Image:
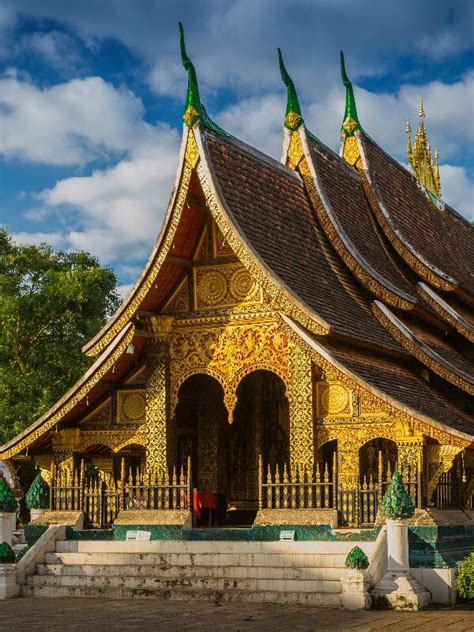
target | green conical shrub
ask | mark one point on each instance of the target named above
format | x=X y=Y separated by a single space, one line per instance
x=7 y=502
x=397 y=504
x=37 y=497
x=356 y=558
x=7 y=554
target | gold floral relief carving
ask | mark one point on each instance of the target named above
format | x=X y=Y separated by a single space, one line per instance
x=179 y=301
x=111 y=438
x=191 y=154
x=300 y=397
x=156 y=415
x=227 y=353
x=220 y=245
x=333 y=400
x=225 y=285
x=131 y=406
x=440 y=461
x=44 y=462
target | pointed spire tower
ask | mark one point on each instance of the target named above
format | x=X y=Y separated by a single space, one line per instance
x=424 y=167
x=350 y=124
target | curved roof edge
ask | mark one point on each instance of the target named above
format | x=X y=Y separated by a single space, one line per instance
x=277 y=289
x=448 y=313
x=72 y=397
x=322 y=355
x=131 y=303
x=364 y=272
x=422 y=352
x=413 y=258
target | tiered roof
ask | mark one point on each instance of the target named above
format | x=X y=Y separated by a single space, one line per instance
x=367 y=269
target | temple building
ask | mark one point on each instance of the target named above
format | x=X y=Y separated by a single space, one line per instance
x=301 y=329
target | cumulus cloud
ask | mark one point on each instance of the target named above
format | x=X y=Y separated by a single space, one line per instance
x=115 y=213
x=457 y=189
x=57 y=49
x=69 y=123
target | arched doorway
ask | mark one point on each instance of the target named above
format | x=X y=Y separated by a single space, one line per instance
x=378 y=461
x=202 y=433
x=260 y=427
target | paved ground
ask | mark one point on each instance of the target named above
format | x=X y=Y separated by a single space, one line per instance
x=106 y=615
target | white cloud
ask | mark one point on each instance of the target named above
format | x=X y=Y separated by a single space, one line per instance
x=58 y=49
x=116 y=213
x=70 y=123
x=457 y=189
x=55 y=239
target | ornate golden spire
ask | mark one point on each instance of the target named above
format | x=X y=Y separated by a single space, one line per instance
x=420 y=158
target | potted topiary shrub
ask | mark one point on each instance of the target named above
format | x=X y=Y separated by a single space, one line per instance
x=398 y=589
x=465 y=578
x=37 y=497
x=8 y=507
x=356 y=581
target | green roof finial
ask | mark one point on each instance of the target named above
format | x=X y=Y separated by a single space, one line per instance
x=293 y=118
x=193 y=108
x=350 y=123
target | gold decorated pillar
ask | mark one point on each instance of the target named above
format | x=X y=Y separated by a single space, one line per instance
x=157 y=400
x=65 y=444
x=300 y=398
x=440 y=461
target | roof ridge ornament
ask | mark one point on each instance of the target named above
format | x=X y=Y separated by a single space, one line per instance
x=350 y=123
x=193 y=107
x=424 y=166
x=293 y=117
x=194 y=110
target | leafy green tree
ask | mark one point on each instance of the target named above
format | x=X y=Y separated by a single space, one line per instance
x=51 y=303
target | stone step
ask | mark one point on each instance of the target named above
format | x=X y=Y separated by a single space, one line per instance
x=217 y=546
x=167 y=560
x=228 y=572
x=330 y=600
x=159 y=584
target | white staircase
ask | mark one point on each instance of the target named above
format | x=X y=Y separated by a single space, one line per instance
x=283 y=572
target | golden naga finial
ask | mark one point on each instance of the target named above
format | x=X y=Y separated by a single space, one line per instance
x=420 y=158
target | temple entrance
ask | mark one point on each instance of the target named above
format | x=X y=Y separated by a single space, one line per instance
x=202 y=433
x=260 y=427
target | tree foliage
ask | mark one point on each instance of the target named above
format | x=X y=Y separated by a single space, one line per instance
x=465 y=578
x=51 y=303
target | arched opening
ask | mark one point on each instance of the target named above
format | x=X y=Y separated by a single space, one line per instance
x=129 y=462
x=202 y=433
x=378 y=461
x=260 y=427
x=327 y=458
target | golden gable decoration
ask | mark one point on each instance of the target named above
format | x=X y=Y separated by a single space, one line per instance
x=131 y=406
x=224 y=286
x=333 y=400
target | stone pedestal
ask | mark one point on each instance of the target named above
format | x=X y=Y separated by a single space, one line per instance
x=7 y=526
x=398 y=589
x=8 y=586
x=35 y=515
x=355 y=590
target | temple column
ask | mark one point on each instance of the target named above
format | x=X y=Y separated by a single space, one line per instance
x=65 y=444
x=410 y=465
x=157 y=399
x=440 y=461
x=300 y=398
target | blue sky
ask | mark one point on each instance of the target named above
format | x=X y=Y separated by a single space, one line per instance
x=92 y=92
